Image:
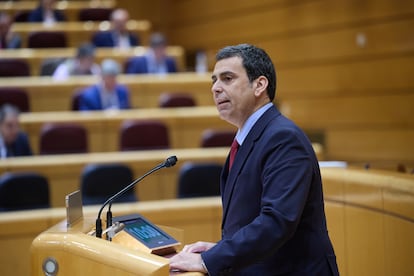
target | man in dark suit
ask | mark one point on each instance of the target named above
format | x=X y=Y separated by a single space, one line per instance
x=107 y=94
x=13 y=142
x=46 y=13
x=155 y=61
x=8 y=39
x=273 y=208
x=119 y=36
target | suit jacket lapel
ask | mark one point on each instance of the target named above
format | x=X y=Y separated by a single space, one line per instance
x=228 y=179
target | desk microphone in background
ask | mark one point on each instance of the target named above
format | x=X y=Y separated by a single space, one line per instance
x=169 y=162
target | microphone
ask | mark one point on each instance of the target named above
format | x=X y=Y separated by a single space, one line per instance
x=169 y=162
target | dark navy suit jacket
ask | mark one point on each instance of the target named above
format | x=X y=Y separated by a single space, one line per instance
x=20 y=147
x=91 y=98
x=139 y=65
x=106 y=39
x=273 y=209
x=37 y=15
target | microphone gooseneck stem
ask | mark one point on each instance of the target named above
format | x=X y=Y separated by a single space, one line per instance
x=112 y=198
x=109 y=220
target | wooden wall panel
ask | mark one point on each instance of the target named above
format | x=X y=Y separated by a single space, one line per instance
x=267 y=19
x=377 y=76
x=385 y=111
x=344 y=67
x=370 y=145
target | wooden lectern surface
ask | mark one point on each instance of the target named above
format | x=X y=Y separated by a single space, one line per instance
x=79 y=253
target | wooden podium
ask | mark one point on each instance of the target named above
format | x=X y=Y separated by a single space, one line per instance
x=73 y=251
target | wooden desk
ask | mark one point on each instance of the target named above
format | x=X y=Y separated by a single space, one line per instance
x=64 y=171
x=198 y=218
x=35 y=57
x=69 y=8
x=145 y=90
x=369 y=216
x=185 y=125
x=76 y=252
x=79 y=32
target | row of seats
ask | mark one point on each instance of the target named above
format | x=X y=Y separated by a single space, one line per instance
x=84 y=14
x=30 y=190
x=19 y=98
x=63 y=138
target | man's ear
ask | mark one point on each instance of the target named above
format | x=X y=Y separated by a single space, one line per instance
x=261 y=84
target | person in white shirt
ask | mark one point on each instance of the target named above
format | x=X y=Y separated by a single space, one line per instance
x=82 y=64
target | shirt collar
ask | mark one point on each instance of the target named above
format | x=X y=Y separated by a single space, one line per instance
x=244 y=131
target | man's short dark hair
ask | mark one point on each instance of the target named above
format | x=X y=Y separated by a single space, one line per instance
x=85 y=50
x=255 y=61
x=157 y=40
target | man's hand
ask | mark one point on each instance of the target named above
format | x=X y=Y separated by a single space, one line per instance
x=198 y=247
x=189 y=259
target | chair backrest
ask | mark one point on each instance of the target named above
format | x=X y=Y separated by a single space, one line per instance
x=21 y=16
x=217 y=138
x=14 y=68
x=75 y=100
x=143 y=135
x=15 y=96
x=49 y=65
x=47 y=39
x=199 y=179
x=94 y=14
x=23 y=190
x=101 y=181
x=176 y=99
x=61 y=138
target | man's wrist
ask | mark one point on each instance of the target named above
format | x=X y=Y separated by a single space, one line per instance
x=204 y=266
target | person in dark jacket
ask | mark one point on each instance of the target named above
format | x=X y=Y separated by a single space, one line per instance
x=273 y=219
x=108 y=93
x=13 y=141
x=155 y=61
x=118 y=36
x=46 y=13
x=8 y=39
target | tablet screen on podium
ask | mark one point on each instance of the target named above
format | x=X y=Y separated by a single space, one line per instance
x=146 y=232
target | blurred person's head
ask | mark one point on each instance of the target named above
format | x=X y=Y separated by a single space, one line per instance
x=48 y=4
x=9 y=123
x=85 y=58
x=119 y=19
x=5 y=23
x=110 y=69
x=158 y=44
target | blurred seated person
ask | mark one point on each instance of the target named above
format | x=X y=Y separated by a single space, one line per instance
x=107 y=94
x=82 y=64
x=8 y=39
x=13 y=141
x=46 y=13
x=119 y=36
x=155 y=61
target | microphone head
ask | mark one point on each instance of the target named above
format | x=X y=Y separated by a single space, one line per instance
x=170 y=161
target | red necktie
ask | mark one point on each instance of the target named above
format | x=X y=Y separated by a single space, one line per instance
x=233 y=151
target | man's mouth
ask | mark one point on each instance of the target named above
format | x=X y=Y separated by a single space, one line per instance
x=219 y=102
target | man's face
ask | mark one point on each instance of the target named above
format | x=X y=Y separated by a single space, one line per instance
x=85 y=63
x=119 y=21
x=4 y=25
x=109 y=82
x=232 y=91
x=10 y=128
x=160 y=53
